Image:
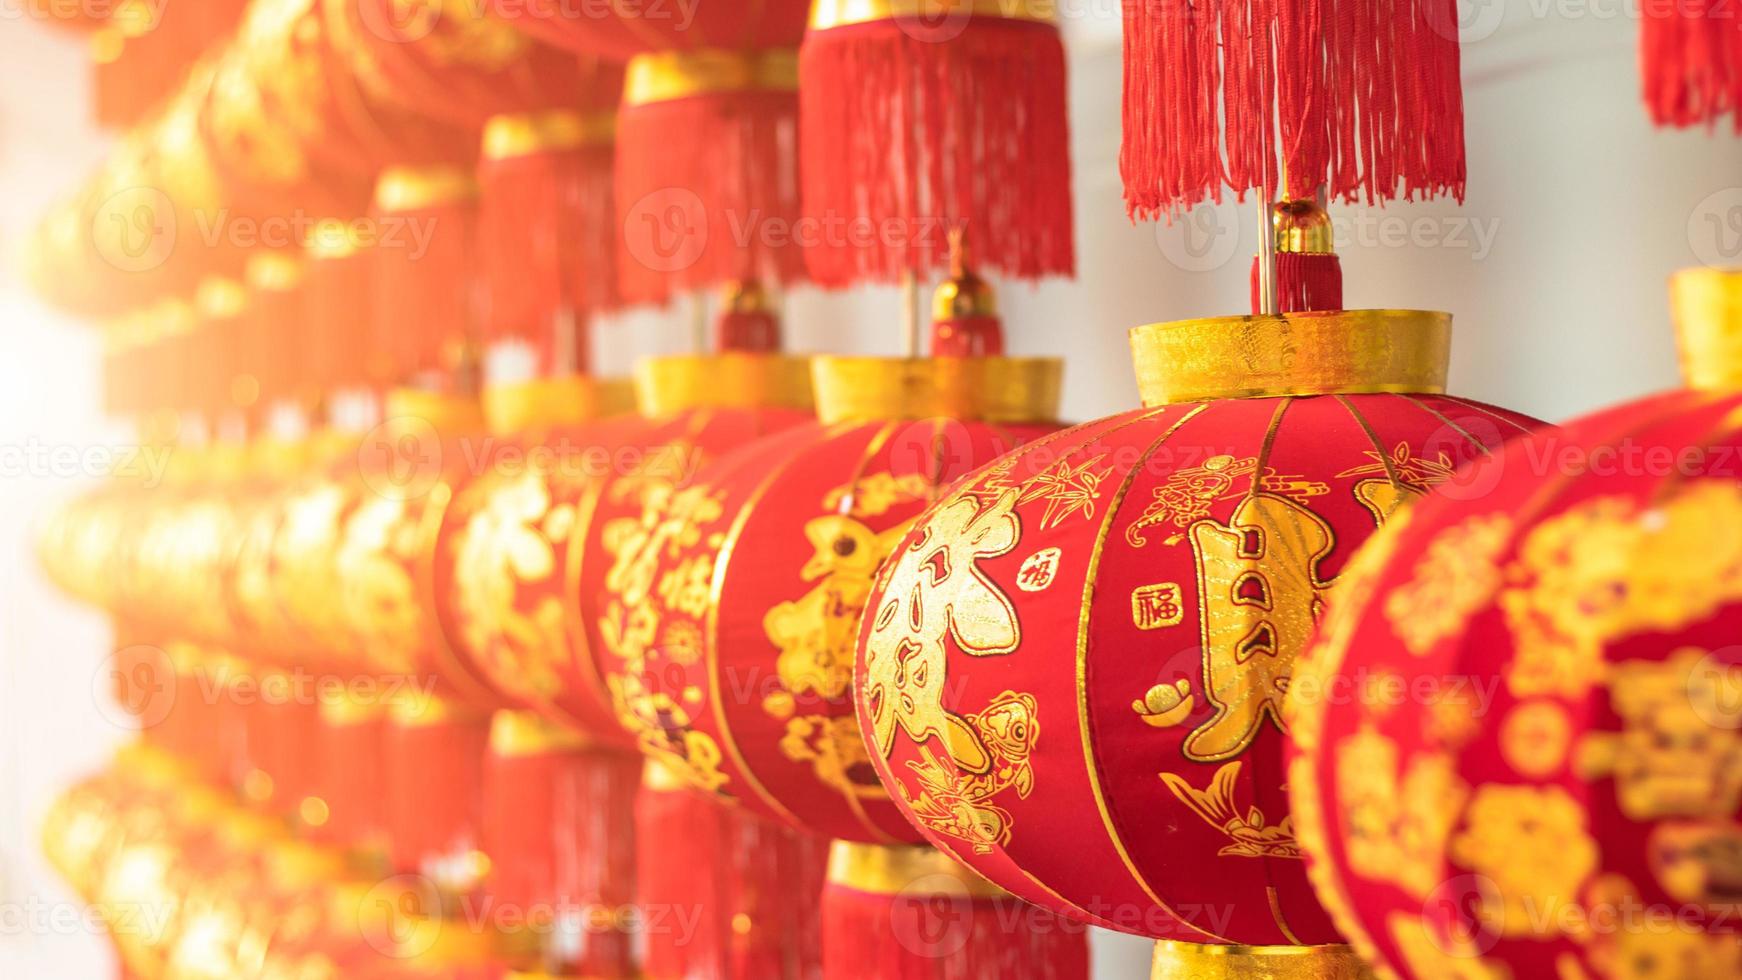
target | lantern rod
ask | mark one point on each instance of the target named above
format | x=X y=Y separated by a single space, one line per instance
x=1267 y=299
x=910 y=319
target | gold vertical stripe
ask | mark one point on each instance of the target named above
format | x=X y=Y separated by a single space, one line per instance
x=1372 y=437
x=1481 y=446
x=1088 y=739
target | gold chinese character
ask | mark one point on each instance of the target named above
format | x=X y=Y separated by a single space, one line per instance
x=1259 y=595
x=1155 y=606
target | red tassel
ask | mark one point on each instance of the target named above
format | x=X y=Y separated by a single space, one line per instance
x=724 y=894
x=341 y=348
x=907 y=137
x=904 y=913
x=707 y=192
x=434 y=786
x=274 y=347
x=351 y=748
x=559 y=829
x=1691 y=62
x=1367 y=102
x=425 y=267
x=547 y=237
x=1305 y=282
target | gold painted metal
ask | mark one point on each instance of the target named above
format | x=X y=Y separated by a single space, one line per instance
x=1707 y=307
x=664 y=76
x=542 y=403
x=1325 y=353
x=401 y=189
x=680 y=382
x=334 y=238
x=1302 y=226
x=220 y=297
x=658 y=777
x=1194 y=961
x=985 y=389
x=448 y=413
x=523 y=733
x=826 y=14
x=273 y=271
x=519 y=134
x=903 y=869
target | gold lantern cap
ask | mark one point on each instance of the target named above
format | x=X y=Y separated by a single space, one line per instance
x=829 y=14
x=1706 y=305
x=681 y=382
x=882 y=869
x=1218 y=962
x=448 y=412
x=981 y=389
x=542 y=403
x=1321 y=353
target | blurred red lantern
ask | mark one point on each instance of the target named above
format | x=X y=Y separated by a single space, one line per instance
x=1178 y=555
x=1557 y=790
x=707 y=145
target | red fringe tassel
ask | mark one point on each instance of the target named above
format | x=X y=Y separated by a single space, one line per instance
x=425 y=266
x=707 y=193
x=906 y=137
x=547 y=237
x=1690 y=54
x=1362 y=98
x=1305 y=282
x=917 y=936
x=560 y=832
x=351 y=749
x=725 y=894
x=342 y=350
x=434 y=785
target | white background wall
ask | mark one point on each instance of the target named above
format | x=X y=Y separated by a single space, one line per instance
x=1583 y=208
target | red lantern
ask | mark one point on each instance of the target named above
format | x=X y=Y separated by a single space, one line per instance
x=731 y=605
x=1071 y=670
x=1516 y=741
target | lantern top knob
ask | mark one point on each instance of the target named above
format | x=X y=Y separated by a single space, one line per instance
x=1707 y=307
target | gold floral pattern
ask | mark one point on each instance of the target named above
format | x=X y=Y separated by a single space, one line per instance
x=1455 y=577
x=934 y=591
x=1608 y=568
x=380 y=542
x=1532 y=843
x=958 y=804
x=507 y=544
x=1397 y=821
x=1668 y=760
x=1251 y=835
x=1187 y=496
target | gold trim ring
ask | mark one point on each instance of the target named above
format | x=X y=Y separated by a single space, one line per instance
x=914 y=871
x=983 y=389
x=1707 y=307
x=827 y=14
x=1326 y=353
x=665 y=76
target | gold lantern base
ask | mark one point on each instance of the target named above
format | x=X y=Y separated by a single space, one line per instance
x=1194 y=961
x=913 y=871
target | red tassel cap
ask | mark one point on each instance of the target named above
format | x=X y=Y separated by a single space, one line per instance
x=1690 y=57
x=1366 y=102
x=1309 y=277
x=707 y=158
x=913 y=126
